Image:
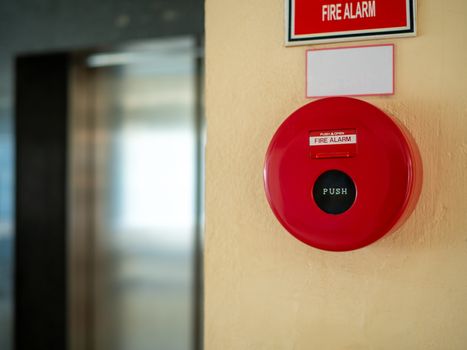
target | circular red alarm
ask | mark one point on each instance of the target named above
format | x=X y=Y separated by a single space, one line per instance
x=340 y=174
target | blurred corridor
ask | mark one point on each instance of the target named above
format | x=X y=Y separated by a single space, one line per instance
x=101 y=175
x=135 y=197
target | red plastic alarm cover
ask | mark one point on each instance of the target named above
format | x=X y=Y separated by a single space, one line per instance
x=341 y=136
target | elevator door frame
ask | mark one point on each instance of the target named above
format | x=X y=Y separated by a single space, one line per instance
x=82 y=205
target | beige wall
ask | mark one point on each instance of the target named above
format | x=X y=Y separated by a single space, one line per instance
x=266 y=290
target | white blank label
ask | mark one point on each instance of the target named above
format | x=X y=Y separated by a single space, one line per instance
x=367 y=70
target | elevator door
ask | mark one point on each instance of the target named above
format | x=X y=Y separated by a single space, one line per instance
x=136 y=136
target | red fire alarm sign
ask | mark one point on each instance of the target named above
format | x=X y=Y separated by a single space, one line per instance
x=318 y=21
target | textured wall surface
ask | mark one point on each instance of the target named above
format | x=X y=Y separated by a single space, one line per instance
x=266 y=290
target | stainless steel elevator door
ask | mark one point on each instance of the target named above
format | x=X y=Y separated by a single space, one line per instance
x=141 y=202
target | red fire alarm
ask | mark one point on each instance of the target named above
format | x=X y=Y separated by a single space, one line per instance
x=340 y=174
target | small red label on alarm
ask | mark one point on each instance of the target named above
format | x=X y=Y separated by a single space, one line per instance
x=341 y=137
x=333 y=143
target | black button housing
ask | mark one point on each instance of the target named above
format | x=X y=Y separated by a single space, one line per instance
x=334 y=192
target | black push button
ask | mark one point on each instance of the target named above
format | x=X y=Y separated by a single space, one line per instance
x=334 y=192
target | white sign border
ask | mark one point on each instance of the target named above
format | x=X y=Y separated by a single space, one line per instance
x=410 y=30
x=368 y=93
